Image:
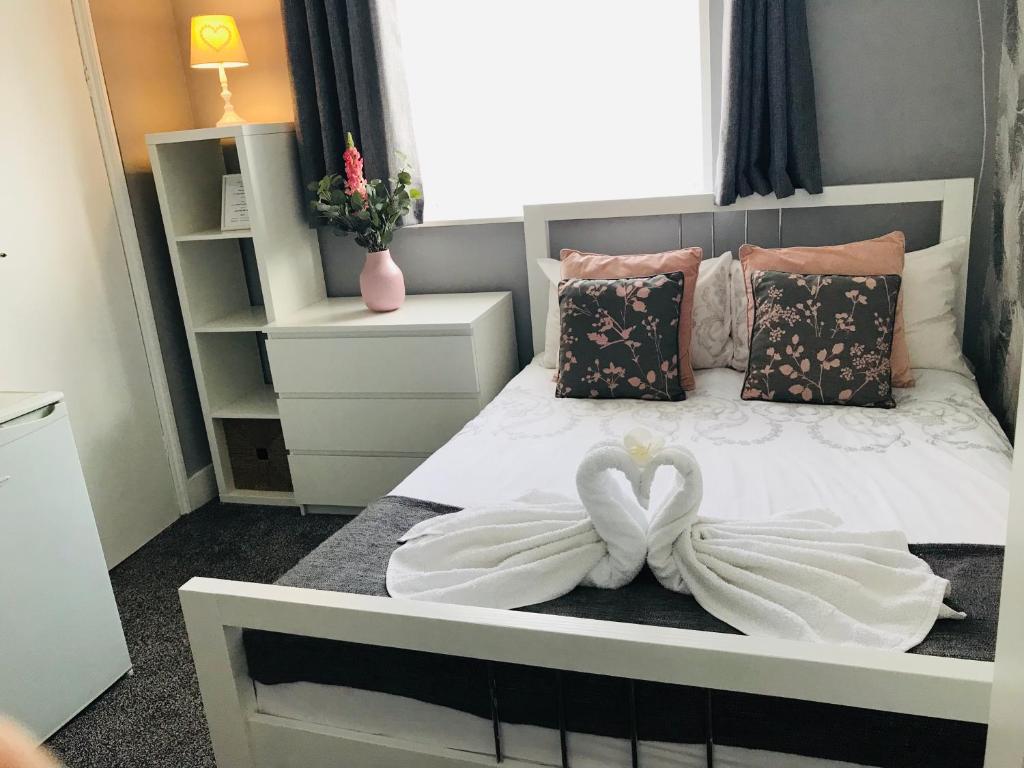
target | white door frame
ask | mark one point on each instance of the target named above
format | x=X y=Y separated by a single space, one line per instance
x=130 y=242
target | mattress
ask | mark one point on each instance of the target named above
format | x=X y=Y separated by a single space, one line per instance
x=937 y=467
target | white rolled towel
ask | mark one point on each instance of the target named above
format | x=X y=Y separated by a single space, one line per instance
x=797 y=576
x=534 y=549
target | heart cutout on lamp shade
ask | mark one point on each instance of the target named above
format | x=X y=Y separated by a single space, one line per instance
x=215 y=35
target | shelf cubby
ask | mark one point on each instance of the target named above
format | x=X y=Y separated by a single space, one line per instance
x=231 y=367
x=190 y=175
x=254 y=462
x=213 y=281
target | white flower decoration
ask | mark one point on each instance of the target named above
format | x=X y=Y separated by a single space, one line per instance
x=642 y=445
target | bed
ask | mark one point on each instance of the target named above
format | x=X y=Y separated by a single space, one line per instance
x=936 y=467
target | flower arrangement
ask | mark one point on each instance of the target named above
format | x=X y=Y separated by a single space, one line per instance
x=368 y=209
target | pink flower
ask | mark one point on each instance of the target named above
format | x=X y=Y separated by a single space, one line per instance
x=355 y=182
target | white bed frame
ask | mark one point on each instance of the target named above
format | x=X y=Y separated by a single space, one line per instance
x=216 y=611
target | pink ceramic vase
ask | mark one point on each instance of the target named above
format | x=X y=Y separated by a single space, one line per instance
x=381 y=282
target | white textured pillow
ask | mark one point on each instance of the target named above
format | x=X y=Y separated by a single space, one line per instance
x=740 y=343
x=711 y=341
x=552 y=332
x=930 y=281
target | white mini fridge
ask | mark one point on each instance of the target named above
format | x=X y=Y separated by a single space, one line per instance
x=61 y=642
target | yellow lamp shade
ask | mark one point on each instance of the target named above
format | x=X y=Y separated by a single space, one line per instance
x=216 y=43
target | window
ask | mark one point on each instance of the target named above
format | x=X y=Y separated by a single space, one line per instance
x=540 y=101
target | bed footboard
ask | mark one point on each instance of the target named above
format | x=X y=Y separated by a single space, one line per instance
x=217 y=611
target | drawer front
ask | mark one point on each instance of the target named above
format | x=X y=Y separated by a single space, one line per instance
x=390 y=425
x=347 y=481
x=392 y=365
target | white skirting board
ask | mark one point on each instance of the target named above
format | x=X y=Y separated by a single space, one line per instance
x=202 y=487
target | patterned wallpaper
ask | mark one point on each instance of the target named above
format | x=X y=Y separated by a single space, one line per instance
x=1002 y=320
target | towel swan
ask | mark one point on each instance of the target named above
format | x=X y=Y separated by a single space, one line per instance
x=796 y=576
x=534 y=549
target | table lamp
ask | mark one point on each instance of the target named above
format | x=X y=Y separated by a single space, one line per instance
x=217 y=44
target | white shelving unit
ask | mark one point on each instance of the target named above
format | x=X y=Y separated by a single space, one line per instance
x=225 y=328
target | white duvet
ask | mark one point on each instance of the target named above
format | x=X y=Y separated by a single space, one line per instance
x=937 y=466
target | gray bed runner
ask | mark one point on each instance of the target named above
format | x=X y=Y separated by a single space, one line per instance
x=355 y=560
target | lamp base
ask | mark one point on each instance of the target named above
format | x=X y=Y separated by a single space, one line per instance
x=230 y=117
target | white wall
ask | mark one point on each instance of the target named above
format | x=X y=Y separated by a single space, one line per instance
x=148 y=92
x=67 y=312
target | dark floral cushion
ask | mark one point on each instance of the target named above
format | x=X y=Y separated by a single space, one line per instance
x=620 y=338
x=822 y=339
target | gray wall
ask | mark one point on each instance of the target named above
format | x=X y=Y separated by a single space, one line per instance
x=181 y=380
x=898 y=84
x=483 y=257
x=899 y=98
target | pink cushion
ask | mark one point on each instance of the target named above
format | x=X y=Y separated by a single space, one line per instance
x=881 y=256
x=685 y=260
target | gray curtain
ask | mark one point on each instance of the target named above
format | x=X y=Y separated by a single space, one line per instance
x=346 y=66
x=769 y=139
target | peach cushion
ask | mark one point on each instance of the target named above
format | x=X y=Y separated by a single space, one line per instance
x=881 y=256
x=685 y=260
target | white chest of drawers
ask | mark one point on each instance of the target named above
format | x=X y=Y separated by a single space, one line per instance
x=364 y=397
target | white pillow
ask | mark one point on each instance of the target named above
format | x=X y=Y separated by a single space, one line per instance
x=711 y=340
x=552 y=270
x=930 y=282
x=740 y=345
x=711 y=343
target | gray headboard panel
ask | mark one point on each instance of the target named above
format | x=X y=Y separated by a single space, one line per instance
x=723 y=231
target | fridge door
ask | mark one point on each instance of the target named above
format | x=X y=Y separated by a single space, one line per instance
x=61 y=642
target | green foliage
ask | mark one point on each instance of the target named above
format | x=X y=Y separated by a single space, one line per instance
x=373 y=217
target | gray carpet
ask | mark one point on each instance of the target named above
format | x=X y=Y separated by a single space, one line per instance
x=154 y=719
